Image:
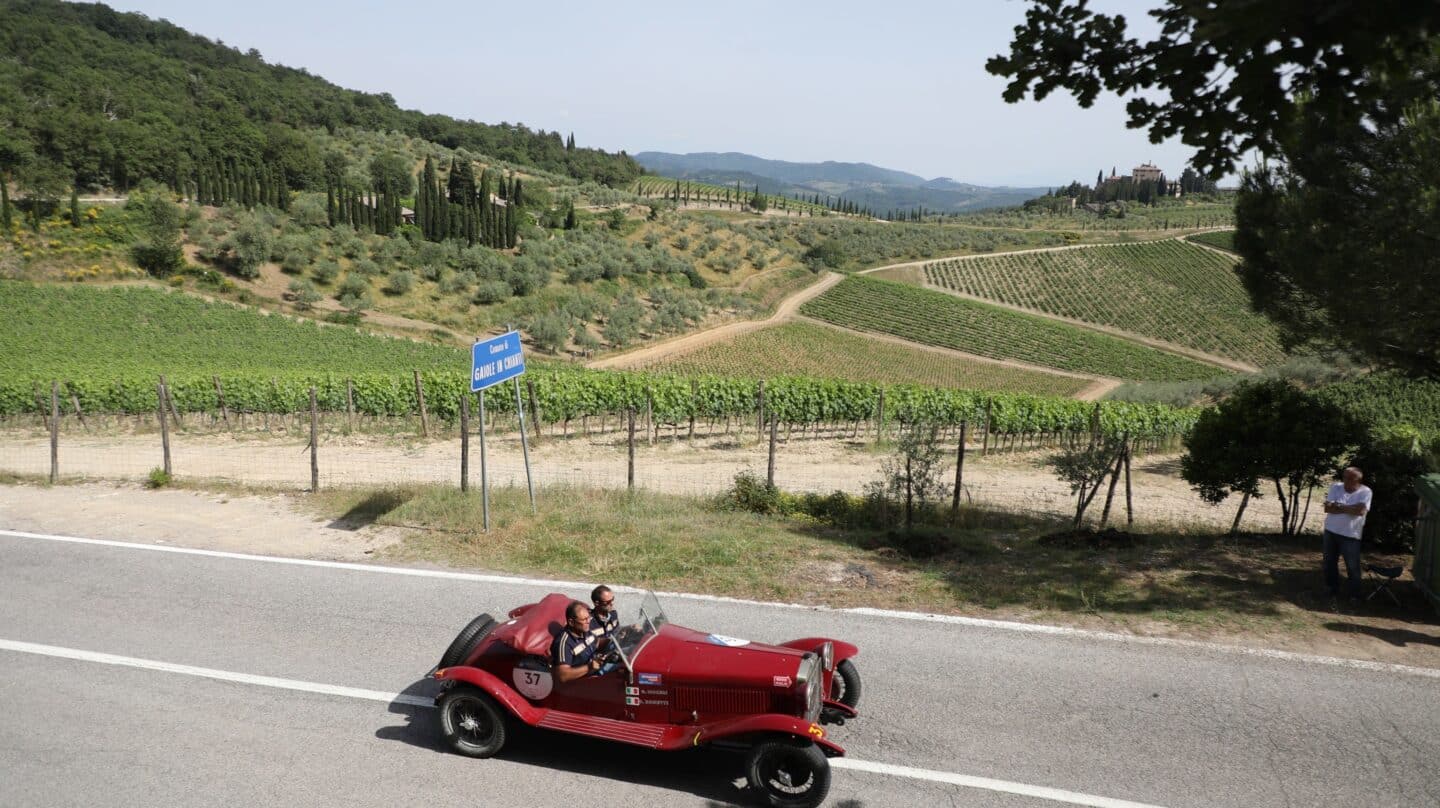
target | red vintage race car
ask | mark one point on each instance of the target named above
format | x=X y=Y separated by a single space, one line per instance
x=662 y=686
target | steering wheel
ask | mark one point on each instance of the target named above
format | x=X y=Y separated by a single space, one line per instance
x=608 y=662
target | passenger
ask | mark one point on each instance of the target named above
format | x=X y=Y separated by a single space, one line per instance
x=603 y=618
x=572 y=655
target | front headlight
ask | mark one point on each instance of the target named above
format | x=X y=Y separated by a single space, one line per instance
x=812 y=699
x=827 y=655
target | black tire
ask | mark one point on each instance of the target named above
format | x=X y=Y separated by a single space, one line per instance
x=788 y=773
x=466 y=640
x=473 y=724
x=845 y=685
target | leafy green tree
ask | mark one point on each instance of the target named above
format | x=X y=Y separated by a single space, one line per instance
x=550 y=330
x=75 y=207
x=1333 y=93
x=1268 y=432
x=400 y=283
x=43 y=182
x=1084 y=469
x=157 y=251
x=304 y=294
x=249 y=247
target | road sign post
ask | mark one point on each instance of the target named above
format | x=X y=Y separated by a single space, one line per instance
x=492 y=361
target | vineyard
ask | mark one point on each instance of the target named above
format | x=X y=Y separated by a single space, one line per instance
x=935 y=318
x=806 y=349
x=117 y=342
x=653 y=186
x=1166 y=290
x=1219 y=239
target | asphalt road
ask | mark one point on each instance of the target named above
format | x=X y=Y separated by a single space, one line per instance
x=1095 y=720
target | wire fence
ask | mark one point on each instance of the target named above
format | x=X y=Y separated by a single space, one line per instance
x=275 y=451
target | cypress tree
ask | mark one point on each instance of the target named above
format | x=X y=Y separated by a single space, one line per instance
x=74 y=206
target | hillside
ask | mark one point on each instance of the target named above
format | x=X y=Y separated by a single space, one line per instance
x=935 y=318
x=69 y=96
x=869 y=186
x=1167 y=290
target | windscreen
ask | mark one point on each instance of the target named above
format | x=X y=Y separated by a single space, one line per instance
x=638 y=623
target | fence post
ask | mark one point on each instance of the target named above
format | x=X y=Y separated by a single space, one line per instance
x=959 y=473
x=220 y=397
x=1129 y=508
x=54 y=432
x=534 y=410
x=314 y=443
x=464 y=442
x=770 y=465
x=880 y=417
x=694 y=400
x=760 y=410
x=630 y=463
x=164 y=427
x=985 y=445
x=649 y=417
x=1110 y=493
x=420 y=397
x=75 y=402
x=170 y=403
x=349 y=399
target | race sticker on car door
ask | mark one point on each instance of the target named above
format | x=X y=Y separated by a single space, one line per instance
x=721 y=639
x=533 y=685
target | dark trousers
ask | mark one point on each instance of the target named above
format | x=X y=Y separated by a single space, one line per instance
x=1336 y=546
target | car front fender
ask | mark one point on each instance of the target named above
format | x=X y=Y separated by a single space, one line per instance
x=843 y=650
x=766 y=724
x=493 y=687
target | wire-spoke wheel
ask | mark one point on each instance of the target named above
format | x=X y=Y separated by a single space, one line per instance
x=845 y=684
x=473 y=725
x=788 y=773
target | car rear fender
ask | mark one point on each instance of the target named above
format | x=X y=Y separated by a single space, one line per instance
x=744 y=728
x=496 y=689
x=843 y=650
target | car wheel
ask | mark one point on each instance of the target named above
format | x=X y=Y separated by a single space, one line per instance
x=788 y=773
x=845 y=684
x=466 y=640
x=472 y=723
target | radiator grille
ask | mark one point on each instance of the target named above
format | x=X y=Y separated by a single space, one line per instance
x=726 y=700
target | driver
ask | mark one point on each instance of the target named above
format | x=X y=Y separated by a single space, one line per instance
x=572 y=655
x=603 y=617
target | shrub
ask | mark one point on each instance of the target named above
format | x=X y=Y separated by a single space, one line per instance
x=158 y=478
x=325 y=272
x=751 y=492
x=159 y=259
x=492 y=292
x=294 y=263
x=400 y=283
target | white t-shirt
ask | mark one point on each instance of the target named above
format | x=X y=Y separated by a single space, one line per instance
x=1343 y=523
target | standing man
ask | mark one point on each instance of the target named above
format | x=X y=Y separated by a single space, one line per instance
x=603 y=619
x=1346 y=504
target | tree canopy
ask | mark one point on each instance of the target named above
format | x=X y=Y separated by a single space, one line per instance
x=1336 y=226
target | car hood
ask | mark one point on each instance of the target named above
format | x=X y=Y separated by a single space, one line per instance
x=683 y=656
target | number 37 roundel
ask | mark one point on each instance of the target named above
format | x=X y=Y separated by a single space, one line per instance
x=533 y=685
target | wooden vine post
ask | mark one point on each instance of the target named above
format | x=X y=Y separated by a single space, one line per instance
x=770 y=463
x=54 y=432
x=630 y=450
x=314 y=443
x=164 y=427
x=220 y=399
x=420 y=397
x=464 y=442
x=534 y=410
x=959 y=474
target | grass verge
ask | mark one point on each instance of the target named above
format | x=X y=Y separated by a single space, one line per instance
x=990 y=564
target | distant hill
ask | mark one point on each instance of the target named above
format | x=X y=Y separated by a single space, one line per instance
x=875 y=187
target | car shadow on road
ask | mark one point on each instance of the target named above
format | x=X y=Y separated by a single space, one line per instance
x=712 y=775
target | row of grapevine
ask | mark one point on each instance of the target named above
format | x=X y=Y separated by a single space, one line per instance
x=562 y=395
x=1166 y=290
x=809 y=349
x=935 y=318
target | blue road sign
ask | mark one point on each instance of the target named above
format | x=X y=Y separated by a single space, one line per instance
x=495 y=360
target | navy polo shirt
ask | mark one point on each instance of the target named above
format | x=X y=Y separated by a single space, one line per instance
x=604 y=628
x=567 y=649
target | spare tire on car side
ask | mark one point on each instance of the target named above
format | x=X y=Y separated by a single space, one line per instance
x=466 y=641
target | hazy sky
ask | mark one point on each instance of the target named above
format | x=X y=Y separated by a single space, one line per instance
x=897 y=84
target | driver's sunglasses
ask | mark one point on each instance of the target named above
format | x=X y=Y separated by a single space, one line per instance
x=609 y=602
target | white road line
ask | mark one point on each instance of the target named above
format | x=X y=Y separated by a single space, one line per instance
x=948 y=778
x=212 y=673
x=950 y=619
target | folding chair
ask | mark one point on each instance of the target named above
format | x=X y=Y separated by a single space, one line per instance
x=1385 y=576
